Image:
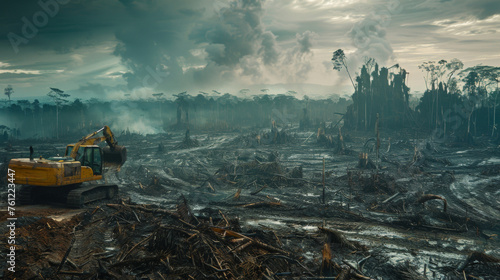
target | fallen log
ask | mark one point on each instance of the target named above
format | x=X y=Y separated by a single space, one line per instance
x=237 y=195
x=135 y=246
x=357 y=274
x=226 y=232
x=137 y=261
x=74 y=273
x=428 y=197
x=337 y=237
x=142 y=208
x=444 y=229
x=477 y=256
x=63 y=261
x=391 y=198
x=261 y=204
x=259 y=190
x=288 y=259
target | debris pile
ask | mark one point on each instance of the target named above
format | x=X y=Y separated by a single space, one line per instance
x=126 y=241
x=377 y=182
x=257 y=174
x=251 y=140
x=42 y=244
x=421 y=208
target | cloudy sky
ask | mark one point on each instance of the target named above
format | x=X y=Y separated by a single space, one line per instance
x=132 y=48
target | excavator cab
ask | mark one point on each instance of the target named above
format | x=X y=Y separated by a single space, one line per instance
x=88 y=155
x=107 y=157
x=92 y=157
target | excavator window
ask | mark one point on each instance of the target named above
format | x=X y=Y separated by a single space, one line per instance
x=68 y=151
x=88 y=157
x=79 y=156
x=97 y=164
x=93 y=159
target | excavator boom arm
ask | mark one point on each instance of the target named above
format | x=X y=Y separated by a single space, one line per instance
x=109 y=137
x=92 y=140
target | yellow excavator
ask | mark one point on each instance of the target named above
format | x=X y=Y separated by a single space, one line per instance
x=59 y=179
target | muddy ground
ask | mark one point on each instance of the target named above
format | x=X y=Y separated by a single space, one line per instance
x=427 y=212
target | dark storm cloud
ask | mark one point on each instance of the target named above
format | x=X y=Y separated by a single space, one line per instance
x=483 y=8
x=160 y=47
x=235 y=34
x=175 y=45
x=155 y=45
x=238 y=39
x=151 y=35
x=62 y=26
x=158 y=42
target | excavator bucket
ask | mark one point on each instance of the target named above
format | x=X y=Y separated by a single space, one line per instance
x=115 y=157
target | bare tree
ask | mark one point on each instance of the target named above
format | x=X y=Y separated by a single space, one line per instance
x=59 y=97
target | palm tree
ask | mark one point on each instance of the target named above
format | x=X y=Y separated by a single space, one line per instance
x=339 y=60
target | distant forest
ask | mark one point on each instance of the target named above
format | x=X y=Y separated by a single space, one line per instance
x=459 y=103
x=221 y=113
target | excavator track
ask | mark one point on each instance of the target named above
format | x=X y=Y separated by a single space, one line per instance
x=25 y=195
x=75 y=196
x=79 y=197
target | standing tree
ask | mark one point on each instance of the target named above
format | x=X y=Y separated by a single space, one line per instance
x=453 y=66
x=494 y=77
x=477 y=81
x=434 y=73
x=380 y=93
x=471 y=88
x=9 y=91
x=59 y=97
x=182 y=100
x=495 y=97
x=338 y=61
x=442 y=88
